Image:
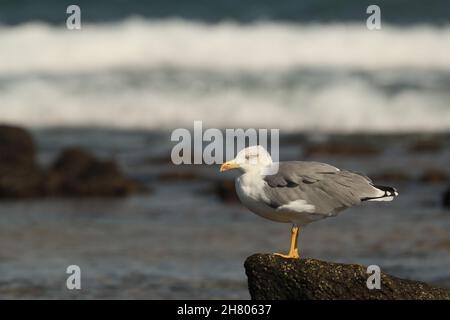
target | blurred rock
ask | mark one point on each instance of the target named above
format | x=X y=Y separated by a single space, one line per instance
x=446 y=198
x=343 y=149
x=78 y=173
x=426 y=146
x=177 y=176
x=274 y=278
x=391 y=175
x=72 y=163
x=434 y=176
x=225 y=190
x=19 y=175
x=158 y=160
x=16 y=147
x=18 y=182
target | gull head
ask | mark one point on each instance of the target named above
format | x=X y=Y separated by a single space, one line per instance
x=253 y=158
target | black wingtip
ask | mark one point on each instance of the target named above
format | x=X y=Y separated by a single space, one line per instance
x=388 y=191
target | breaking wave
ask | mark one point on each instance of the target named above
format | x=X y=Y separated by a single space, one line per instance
x=166 y=74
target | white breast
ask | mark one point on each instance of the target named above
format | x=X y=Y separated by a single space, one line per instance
x=250 y=190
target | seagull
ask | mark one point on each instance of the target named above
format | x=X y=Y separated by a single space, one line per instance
x=299 y=192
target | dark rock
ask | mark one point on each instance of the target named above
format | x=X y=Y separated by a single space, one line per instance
x=391 y=175
x=19 y=175
x=72 y=162
x=274 y=278
x=446 y=198
x=75 y=172
x=176 y=176
x=78 y=173
x=426 y=146
x=293 y=139
x=340 y=149
x=158 y=160
x=434 y=176
x=226 y=191
x=20 y=182
x=16 y=147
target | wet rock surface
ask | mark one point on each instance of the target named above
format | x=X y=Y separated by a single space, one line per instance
x=274 y=278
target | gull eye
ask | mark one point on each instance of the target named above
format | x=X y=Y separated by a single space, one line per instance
x=247 y=156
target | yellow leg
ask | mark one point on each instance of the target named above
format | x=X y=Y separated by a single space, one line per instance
x=293 y=251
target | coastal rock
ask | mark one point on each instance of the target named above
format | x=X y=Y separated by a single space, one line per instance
x=226 y=191
x=426 y=146
x=16 y=147
x=274 y=278
x=72 y=162
x=434 y=176
x=20 y=182
x=391 y=176
x=78 y=173
x=19 y=175
x=446 y=198
x=341 y=149
x=157 y=160
x=177 y=176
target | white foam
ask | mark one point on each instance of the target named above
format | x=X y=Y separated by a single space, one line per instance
x=41 y=48
x=342 y=105
x=115 y=75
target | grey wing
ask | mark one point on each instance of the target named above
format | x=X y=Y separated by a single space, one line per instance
x=326 y=187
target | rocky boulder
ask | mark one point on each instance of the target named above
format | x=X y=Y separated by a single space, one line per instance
x=19 y=175
x=446 y=198
x=78 y=173
x=274 y=278
x=426 y=146
x=75 y=172
x=225 y=190
x=434 y=176
x=16 y=147
x=340 y=149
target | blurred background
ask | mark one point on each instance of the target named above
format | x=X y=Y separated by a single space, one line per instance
x=86 y=117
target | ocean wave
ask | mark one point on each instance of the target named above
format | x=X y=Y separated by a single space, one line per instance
x=41 y=48
x=294 y=101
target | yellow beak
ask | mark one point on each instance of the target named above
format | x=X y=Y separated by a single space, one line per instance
x=228 y=165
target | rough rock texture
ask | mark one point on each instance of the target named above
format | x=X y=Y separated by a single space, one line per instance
x=274 y=278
